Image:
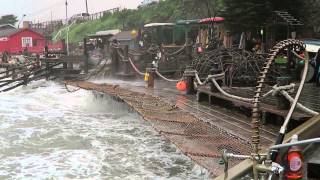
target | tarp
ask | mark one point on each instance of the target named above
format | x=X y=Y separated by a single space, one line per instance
x=312 y=45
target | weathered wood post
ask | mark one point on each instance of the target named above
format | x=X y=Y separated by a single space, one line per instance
x=190 y=75
x=151 y=75
x=125 y=60
x=14 y=73
x=46 y=52
x=7 y=71
x=114 y=58
x=86 y=56
x=64 y=46
x=126 y=63
x=47 y=69
x=291 y=62
x=188 y=50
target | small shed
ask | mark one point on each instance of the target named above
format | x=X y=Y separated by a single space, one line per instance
x=125 y=38
x=15 y=41
x=103 y=37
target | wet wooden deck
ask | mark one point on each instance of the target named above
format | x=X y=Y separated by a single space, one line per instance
x=199 y=130
x=310 y=98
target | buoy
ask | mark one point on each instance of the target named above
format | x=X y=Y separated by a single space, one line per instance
x=146 y=76
x=200 y=50
x=182 y=86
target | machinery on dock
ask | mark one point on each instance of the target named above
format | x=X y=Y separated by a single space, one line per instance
x=274 y=78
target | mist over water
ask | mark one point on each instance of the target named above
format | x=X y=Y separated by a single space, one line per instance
x=48 y=133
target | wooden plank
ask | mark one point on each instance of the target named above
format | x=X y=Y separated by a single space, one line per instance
x=65 y=71
x=6 y=65
x=64 y=59
x=73 y=76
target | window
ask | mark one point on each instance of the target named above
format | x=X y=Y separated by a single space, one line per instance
x=26 y=41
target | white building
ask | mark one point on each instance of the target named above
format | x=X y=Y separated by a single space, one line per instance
x=146 y=2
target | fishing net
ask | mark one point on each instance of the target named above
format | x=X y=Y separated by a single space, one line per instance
x=197 y=139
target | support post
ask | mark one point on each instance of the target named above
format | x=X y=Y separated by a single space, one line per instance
x=7 y=71
x=86 y=57
x=190 y=75
x=47 y=71
x=126 y=60
x=115 y=61
x=151 y=72
x=14 y=75
x=46 y=52
x=65 y=65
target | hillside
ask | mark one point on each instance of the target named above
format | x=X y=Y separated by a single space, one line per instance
x=239 y=17
x=164 y=11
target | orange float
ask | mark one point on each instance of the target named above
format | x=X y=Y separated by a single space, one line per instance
x=182 y=86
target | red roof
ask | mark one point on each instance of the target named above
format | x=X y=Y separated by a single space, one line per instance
x=11 y=32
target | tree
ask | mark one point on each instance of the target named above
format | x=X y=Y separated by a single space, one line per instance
x=9 y=19
x=244 y=16
x=123 y=15
x=312 y=19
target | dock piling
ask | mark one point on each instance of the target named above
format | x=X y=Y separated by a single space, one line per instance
x=151 y=72
x=190 y=75
x=126 y=60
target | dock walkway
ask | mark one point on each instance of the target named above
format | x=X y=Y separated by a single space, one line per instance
x=200 y=131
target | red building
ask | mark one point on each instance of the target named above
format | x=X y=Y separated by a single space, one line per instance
x=15 y=41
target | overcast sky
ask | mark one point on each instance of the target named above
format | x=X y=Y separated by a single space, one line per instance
x=40 y=10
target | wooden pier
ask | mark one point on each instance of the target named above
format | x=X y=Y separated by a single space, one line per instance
x=62 y=67
x=199 y=129
x=68 y=70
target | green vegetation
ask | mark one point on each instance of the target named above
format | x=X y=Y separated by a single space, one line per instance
x=240 y=15
x=80 y=30
x=251 y=14
x=8 y=19
x=164 y=11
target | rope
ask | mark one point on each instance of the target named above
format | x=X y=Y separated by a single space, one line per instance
x=299 y=105
x=230 y=95
x=274 y=91
x=212 y=78
x=176 y=52
x=208 y=78
x=135 y=68
x=199 y=80
x=166 y=79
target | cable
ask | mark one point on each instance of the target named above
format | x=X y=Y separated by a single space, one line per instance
x=135 y=68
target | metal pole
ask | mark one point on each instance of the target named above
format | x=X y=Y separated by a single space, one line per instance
x=67 y=22
x=87 y=6
x=21 y=20
x=68 y=41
